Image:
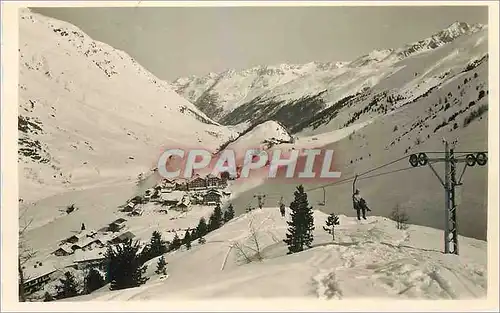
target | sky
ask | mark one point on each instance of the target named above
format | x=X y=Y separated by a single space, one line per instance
x=179 y=42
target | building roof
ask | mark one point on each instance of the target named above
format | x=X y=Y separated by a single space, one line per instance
x=89 y=255
x=213 y=191
x=196 y=179
x=65 y=248
x=119 y=221
x=31 y=272
x=174 y=195
x=125 y=235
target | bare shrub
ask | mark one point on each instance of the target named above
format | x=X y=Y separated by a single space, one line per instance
x=400 y=216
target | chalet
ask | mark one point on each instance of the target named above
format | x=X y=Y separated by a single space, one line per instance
x=181 y=185
x=64 y=250
x=122 y=238
x=129 y=207
x=79 y=236
x=88 y=259
x=182 y=206
x=88 y=244
x=197 y=183
x=36 y=276
x=117 y=225
x=212 y=181
x=150 y=193
x=212 y=197
x=167 y=184
x=197 y=199
x=173 y=198
x=137 y=212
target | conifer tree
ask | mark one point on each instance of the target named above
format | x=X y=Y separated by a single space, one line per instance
x=300 y=228
x=202 y=228
x=187 y=240
x=229 y=213
x=176 y=242
x=68 y=286
x=330 y=224
x=124 y=266
x=216 y=219
x=157 y=246
x=93 y=280
x=161 y=266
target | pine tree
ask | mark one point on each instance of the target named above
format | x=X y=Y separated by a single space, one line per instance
x=229 y=213
x=202 y=228
x=187 y=240
x=161 y=266
x=125 y=268
x=215 y=221
x=176 y=243
x=68 y=286
x=157 y=246
x=300 y=228
x=330 y=224
x=93 y=280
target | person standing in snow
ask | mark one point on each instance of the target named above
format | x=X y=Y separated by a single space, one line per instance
x=282 y=210
x=360 y=205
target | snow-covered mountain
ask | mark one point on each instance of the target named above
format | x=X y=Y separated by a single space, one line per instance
x=288 y=93
x=91 y=119
x=88 y=113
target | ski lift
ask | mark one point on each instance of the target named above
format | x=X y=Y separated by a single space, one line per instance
x=322 y=203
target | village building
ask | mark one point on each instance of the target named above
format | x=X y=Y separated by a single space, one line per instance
x=137 y=212
x=37 y=275
x=166 y=183
x=197 y=183
x=181 y=184
x=129 y=207
x=88 y=244
x=90 y=259
x=117 y=225
x=63 y=250
x=122 y=238
x=212 y=181
x=212 y=197
x=79 y=236
x=173 y=198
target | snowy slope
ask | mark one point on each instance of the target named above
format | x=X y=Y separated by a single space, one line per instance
x=379 y=139
x=89 y=114
x=230 y=98
x=371 y=259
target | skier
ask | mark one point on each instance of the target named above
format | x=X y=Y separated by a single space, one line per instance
x=360 y=205
x=83 y=226
x=282 y=210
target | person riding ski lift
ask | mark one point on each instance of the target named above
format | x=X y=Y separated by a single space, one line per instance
x=360 y=205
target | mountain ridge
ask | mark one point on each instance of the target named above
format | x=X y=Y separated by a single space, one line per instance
x=222 y=94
